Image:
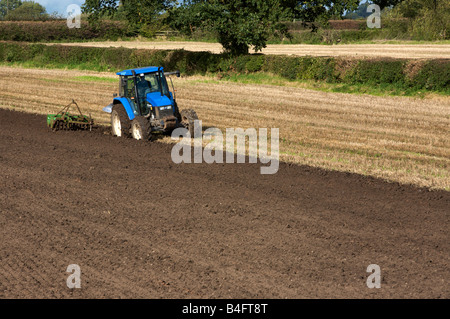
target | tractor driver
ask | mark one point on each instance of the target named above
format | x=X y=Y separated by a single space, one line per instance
x=143 y=87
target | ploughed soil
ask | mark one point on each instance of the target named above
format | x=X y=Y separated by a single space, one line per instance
x=140 y=226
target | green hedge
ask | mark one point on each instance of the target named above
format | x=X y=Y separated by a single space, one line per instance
x=39 y=31
x=430 y=75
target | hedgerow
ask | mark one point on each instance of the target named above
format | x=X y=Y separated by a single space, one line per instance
x=55 y=30
x=430 y=75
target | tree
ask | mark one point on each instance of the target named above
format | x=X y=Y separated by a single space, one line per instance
x=386 y=3
x=98 y=8
x=136 y=12
x=359 y=13
x=28 y=10
x=238 y=24
x=310 y=11
x=429 y=19
x=8 y=5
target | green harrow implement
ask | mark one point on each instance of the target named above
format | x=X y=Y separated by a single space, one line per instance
x=63 y=120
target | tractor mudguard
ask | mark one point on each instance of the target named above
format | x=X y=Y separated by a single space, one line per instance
x=126 y=105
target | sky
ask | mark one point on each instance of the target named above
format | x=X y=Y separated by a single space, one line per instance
x=58 y=5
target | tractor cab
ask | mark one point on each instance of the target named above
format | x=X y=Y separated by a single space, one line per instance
x=146 y=90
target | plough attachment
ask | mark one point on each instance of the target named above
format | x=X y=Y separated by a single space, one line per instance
x=63 y=120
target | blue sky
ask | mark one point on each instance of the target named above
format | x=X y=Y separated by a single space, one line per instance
x=58 y=5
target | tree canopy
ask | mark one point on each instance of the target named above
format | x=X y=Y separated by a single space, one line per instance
x=8 y=5
x=386 y=3
x=430 y=19
x=24 y=11
x=238 y=24
x=322 y=10
x=243 y=24
x=136 y=12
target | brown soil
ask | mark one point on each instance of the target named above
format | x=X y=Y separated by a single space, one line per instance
x=140 y=226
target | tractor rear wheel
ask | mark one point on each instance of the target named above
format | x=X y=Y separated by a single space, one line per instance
x=188 y=117
x=120 y=124
x=141 y=128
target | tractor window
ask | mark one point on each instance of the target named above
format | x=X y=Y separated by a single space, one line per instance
x=163 y=81
x=129 y=91
x=130 y=88
x=152 y=82
x=157 y=83
x=122 y=84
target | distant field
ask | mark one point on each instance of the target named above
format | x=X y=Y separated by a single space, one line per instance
x=406 y=51
x=396 y=138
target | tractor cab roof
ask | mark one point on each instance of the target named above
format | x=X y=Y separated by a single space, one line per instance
x=148 y=69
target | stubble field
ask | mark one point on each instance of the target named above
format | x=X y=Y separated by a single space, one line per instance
x=404 y=51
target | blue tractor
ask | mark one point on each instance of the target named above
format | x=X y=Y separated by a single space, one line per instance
x=145 y=105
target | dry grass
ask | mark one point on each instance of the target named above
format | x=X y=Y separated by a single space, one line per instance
x=407 y=51
x=395 y=138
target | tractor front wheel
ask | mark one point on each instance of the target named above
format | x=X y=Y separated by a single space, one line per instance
x=120 y=124
x=141 y=128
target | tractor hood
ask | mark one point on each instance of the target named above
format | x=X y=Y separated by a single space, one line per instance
x=156 y=99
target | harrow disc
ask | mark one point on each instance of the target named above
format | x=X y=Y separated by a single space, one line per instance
x=64 y=120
